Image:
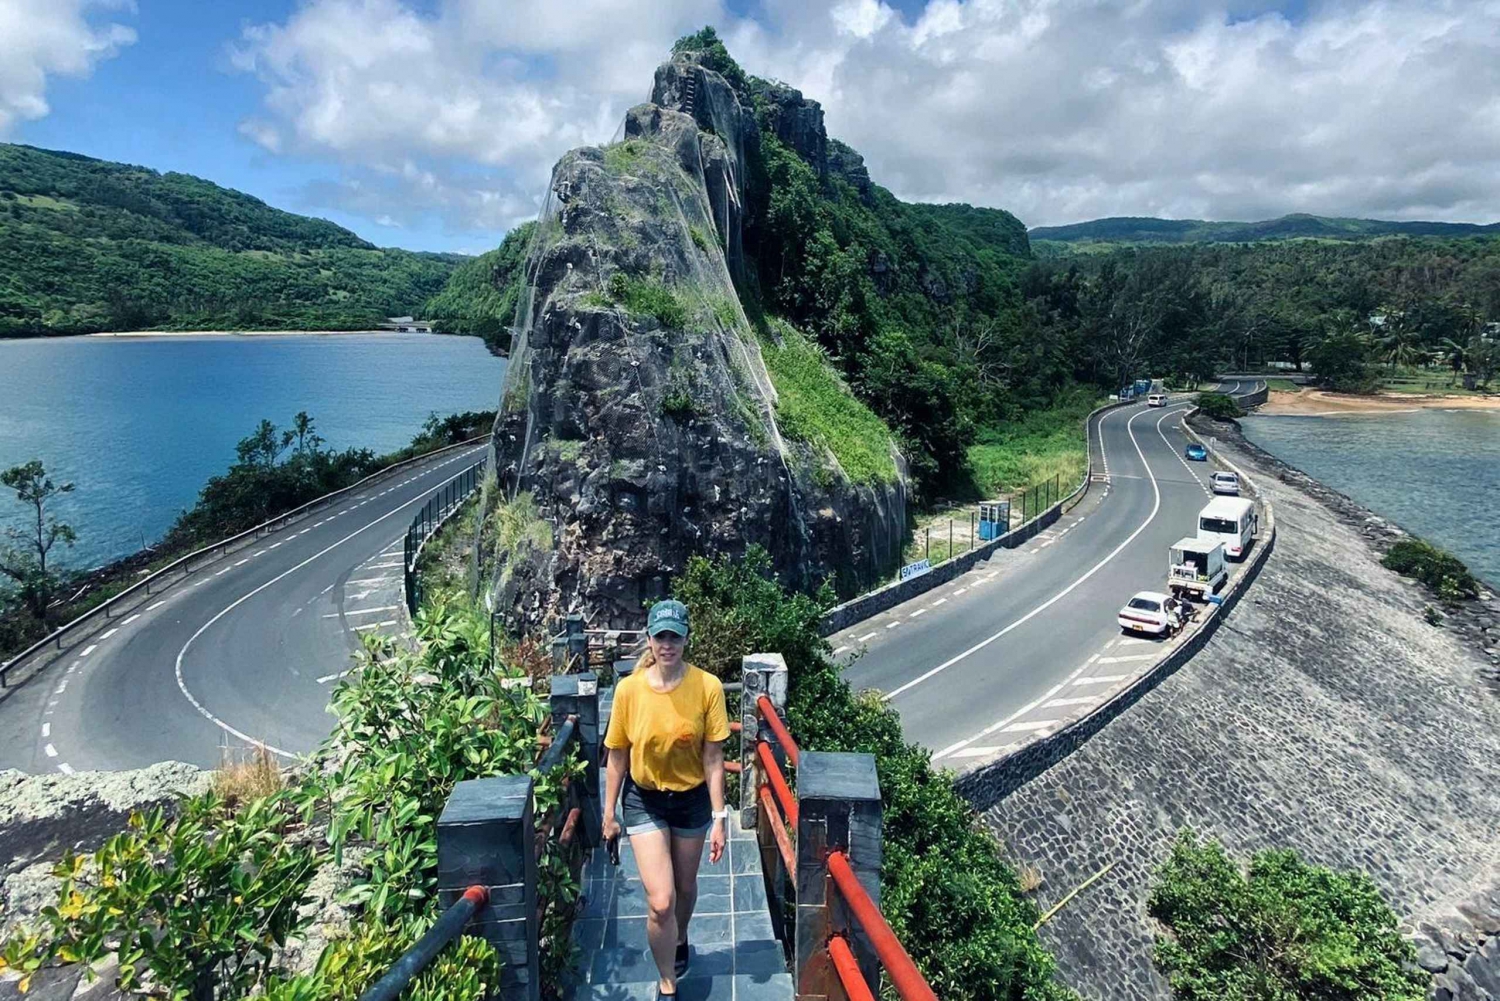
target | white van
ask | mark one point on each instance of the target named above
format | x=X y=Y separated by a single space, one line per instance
x=1156 y=400
x=1232 y=521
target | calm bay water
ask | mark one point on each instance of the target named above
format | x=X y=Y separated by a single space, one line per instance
x=1435 y=472
x=140 y=424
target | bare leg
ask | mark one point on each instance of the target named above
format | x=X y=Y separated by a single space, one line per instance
x=687 y=853
x=653 y=857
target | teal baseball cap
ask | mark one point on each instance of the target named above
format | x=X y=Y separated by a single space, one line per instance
x=668 y=617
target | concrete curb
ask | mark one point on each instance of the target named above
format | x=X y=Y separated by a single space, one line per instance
x=986 y=785
x=888 y=596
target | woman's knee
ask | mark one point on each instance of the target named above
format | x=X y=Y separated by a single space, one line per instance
x=662 y=903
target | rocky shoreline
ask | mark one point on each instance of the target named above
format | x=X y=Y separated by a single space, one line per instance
x=1476 y=622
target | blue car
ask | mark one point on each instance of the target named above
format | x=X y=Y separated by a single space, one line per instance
x=1196 y=452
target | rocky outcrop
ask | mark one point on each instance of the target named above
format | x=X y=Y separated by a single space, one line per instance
x=638 y=411
x=847 y=165
x=797 y=122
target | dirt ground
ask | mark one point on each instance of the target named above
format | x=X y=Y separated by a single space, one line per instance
x=1320 y=403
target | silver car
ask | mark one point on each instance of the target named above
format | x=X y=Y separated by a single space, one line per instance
x=1225 y=483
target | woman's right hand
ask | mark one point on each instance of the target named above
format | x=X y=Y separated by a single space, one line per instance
x=611 y=826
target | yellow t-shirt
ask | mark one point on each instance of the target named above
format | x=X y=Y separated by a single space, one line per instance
x=665 y=731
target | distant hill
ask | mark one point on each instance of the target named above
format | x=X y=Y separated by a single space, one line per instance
x=1135 y=230
x=89 y=245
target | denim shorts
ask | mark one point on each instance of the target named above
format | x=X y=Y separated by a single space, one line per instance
x=686 y=814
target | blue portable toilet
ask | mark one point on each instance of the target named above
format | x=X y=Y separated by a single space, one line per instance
x=994 y=519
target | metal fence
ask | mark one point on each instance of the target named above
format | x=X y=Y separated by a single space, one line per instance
x=185 y=566
x=438 y=509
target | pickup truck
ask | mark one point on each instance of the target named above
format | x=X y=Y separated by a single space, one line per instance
x=1195 y=568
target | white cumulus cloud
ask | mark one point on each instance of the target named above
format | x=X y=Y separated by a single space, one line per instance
x=1058 y=110
x=42 y=38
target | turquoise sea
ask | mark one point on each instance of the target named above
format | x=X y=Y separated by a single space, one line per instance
x=139 y=424
x=1434 y=472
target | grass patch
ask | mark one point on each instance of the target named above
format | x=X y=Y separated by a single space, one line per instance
x=623 y=157
x=700 y=238
x=647 y=297
x=1443 y=573
x=245 y=778
x=1283 y=386
x=814 y=406
x=1041 y=445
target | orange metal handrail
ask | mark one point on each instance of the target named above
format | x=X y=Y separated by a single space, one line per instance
x=845 y=965
x=772 y=772
x=908 y=980
x=778 y=830
x=768 y=712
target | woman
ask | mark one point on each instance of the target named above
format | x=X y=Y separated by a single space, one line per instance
x=666 y=750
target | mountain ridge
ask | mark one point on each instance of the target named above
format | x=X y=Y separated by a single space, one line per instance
x=1297 y=225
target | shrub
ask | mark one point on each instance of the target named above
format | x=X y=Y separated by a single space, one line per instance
x=1219 y=406
x=647 y=297
x=955 y=904
x=1282 y=931
x=1441 y=571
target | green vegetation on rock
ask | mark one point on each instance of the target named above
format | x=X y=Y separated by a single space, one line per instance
x=89 y=245
x=814 y=406
x=1299 y=226
x=1445 y=574
x=954 y=903
x=1034 y=449
x=1284 y=930
x=1219 y=406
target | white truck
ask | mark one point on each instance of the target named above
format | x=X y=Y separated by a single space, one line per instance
x=1195 y=568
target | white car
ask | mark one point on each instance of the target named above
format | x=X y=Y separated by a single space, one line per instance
x=1156 y=400
x=1149 y=612
x=1225 y=483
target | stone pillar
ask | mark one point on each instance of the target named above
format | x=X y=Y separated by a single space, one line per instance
x=487 y=836
x=578 y=643
x=838 y=804
x=763 y=674
x=578 y=695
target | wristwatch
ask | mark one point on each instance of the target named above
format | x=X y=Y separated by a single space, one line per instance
x=721 y=814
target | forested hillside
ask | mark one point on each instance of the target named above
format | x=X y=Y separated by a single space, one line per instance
x=90 y=245
x=480 y=296
x=1088 y=236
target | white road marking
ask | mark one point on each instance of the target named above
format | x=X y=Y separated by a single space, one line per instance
x=182 y=683
x=304 y=531
x=89 y=649
x=131 y=619
x=866 y=636
x=296 y=613
x=1091 y=660
x=223 y=572
x=65 y=768
x=1031 y=725
x=940 y=601
x=976 y=752
x=200 y=583
x=892 y=625
x=46 y=730
x=1133 y=641
x=51 y=751
x=1155 y=507
x=108 y=633
x=839 y=650
x=959 y=591
x=258 y=552
x=370 y=580
x=273 y=545
x=152 y=608
x=1128 y=659
x=1101 y=679
x=1084 y=700
x=332 y=677
x=374 y=625
x=920 y=611
x=243 y=562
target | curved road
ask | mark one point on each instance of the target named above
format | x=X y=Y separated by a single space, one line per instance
x=246 y=650
x=1027 y=638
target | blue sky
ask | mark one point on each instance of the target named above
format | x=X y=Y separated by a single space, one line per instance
x=432 y=124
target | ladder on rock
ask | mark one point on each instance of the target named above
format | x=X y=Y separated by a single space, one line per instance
x=690 y=94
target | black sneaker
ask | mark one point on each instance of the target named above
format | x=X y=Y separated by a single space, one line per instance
x=682 y=960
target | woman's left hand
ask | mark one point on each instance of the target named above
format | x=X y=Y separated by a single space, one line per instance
x=716 y=842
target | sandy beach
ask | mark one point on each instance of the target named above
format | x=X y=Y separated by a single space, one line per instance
x=1320 y=403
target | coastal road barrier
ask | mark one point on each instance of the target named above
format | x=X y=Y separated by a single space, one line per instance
x=63 y=640
x=442 y=505
x=987 y=784
x=890 y=595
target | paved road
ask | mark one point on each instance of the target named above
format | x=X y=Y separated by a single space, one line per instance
x=1028 y=636
x=247 y=652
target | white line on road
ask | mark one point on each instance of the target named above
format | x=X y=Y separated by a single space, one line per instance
x=243 y=562
x=866 y=637
x=976 y=752
x=108 y=633
x=200 y=583
x=1133 y=641
x=1084 y=700
x=332 y=677
x=51 y=751
x=46 y=730
x=152 y=608
x=380 y=566
x=1101 y=679
x=374 y=625
x=362 y=611
x=258 y=552
x=839 y=650
x=182 y=683
x=221 y=573
x=370 y=580
x=274 y=545
x=89 y=649
x=959 y=591
x=131 y=619
x=892 y=625
x=65 y=768
x=1126 y=660
x=1031 y=725
x=920 y=611
x=940 y=601
x=1155 y=507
